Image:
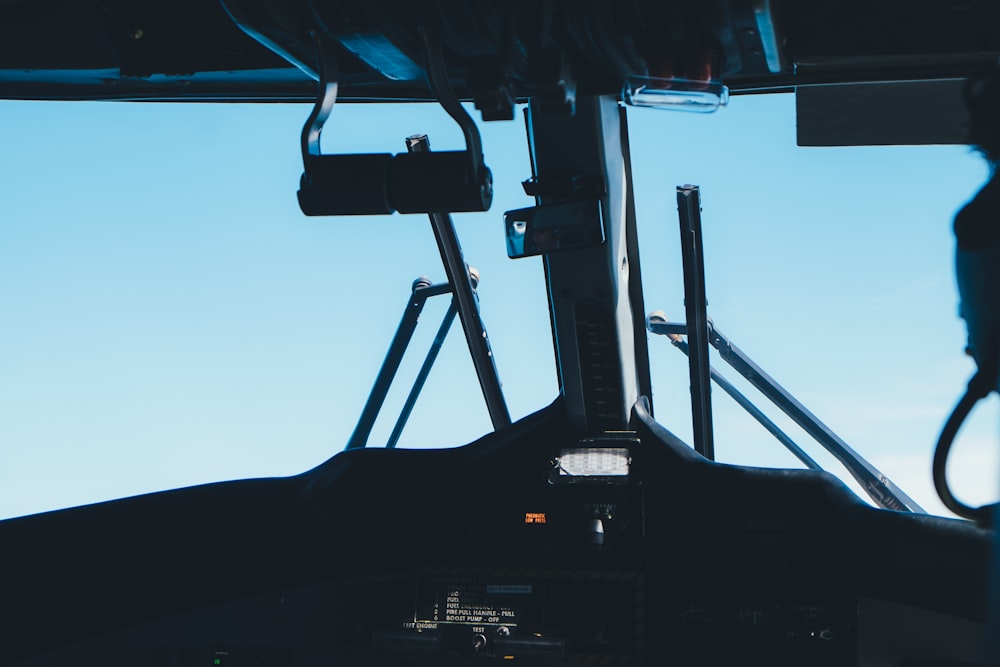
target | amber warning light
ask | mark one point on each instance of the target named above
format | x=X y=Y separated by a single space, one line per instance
x=534 y=517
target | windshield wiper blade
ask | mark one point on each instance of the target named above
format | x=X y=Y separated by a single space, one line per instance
x=425 y=370
x=421 y=291
x=696 y=305
x=877 y=485
x=467 y=304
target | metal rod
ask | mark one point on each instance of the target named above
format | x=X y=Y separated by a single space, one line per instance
x=425 y=371
x=468 y=306
x=696 y=304
x=422 y=290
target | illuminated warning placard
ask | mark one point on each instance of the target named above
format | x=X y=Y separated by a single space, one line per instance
x=534 y=517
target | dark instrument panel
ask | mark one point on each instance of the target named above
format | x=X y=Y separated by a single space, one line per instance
x=529 y=546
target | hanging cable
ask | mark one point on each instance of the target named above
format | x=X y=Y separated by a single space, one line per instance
x=979 y=387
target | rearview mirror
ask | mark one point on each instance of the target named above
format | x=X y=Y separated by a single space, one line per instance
x=542 y=229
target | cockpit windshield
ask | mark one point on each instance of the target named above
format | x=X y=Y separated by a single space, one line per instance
x=171 y=318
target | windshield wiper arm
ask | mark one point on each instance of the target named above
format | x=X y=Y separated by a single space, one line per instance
x=425 y=370
x=879 y=488
x=658 y=320
x=467 y=304
x=422 y=290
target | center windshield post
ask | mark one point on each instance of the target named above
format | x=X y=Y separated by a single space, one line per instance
x=594 y=301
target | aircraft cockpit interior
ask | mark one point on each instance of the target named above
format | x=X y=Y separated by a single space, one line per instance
x=588 y=532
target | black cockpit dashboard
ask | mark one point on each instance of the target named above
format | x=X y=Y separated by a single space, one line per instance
x=529 y=547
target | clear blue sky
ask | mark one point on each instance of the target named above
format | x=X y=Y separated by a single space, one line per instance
x=170 y=317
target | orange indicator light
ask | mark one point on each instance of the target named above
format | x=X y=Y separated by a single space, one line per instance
x=534 y=517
